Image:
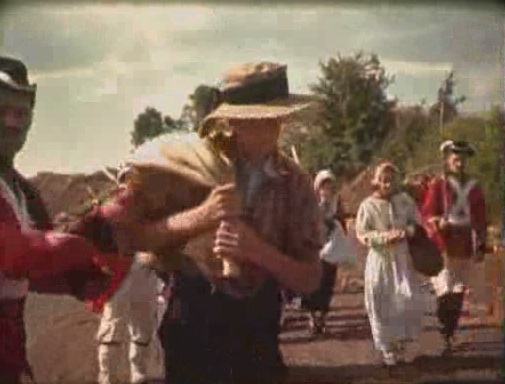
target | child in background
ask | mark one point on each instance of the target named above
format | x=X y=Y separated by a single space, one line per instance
x=394 y=299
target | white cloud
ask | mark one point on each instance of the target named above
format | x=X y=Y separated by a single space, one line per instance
x=98 y=66
x=415 y=68
x=43 y=75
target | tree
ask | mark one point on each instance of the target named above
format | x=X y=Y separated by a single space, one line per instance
x=354 y=113
x=408 y=127
x=446 y=107
x=202 y=101
x=150 y=124
x=188 y=121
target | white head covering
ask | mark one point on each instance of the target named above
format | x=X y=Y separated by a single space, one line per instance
x=323 y=176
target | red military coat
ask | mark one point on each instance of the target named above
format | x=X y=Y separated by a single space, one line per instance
x=463 y=205
x=32 y=254
x=38 y=253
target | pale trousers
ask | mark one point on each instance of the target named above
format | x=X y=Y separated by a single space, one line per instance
x=455 y=277
x=134 y=308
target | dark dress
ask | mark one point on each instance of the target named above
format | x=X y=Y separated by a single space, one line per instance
x=320 y=299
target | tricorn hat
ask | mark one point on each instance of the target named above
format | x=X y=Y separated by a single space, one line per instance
x=254 y=91
x=14 y=78
x=459 y=147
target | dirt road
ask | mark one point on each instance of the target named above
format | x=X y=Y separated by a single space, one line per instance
x=345 y=354
x=62 y=347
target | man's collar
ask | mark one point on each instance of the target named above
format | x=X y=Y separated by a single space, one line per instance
x=275 y=167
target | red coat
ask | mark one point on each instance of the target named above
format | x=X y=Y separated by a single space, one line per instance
x=52 y=262
x=440 y=201
x=39 y=254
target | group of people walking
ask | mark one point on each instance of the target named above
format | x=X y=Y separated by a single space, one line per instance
x=269 y=224
x=452 y=210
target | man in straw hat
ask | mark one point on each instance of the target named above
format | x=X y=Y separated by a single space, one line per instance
x=455 y=212
x=267 y=223
x=29 y=252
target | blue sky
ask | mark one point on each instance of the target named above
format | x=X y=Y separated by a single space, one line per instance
x=98 y=66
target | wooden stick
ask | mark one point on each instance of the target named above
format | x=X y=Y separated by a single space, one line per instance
x=110 y=176
x=295 y=155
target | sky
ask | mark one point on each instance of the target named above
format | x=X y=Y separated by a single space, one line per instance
x=97 y=66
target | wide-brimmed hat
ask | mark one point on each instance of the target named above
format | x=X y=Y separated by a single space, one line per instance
x=14 y=79
x=254 y=91
x=458 y=147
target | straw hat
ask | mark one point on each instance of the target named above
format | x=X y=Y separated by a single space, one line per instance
x=254 y=91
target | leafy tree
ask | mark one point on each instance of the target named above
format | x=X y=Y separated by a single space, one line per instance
x=354 y=113
x=203 y=101
x=188 y=121
x=150 y=124
x=410 y=124
x=446 y=107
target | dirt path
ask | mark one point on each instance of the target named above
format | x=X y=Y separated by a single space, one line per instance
x=62 y=347
x=346 y=355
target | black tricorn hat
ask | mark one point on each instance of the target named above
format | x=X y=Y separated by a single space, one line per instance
x=14 y=77
x=459 y=147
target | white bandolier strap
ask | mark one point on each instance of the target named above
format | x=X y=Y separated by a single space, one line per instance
x=459 y=212
x=446 y=145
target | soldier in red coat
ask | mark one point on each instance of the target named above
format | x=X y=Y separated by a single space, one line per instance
x=32 y=256
x=455 y=214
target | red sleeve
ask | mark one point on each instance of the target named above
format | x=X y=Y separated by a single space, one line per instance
x=34 y=254
x=432 y=207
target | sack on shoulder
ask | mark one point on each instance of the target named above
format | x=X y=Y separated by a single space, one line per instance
x=426 y=256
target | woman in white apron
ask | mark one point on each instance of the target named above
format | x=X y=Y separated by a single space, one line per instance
x=394 y=299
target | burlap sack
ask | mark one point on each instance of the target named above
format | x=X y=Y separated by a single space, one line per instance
x=173 y=173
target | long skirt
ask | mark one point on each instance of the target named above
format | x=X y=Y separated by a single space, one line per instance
x=394 y=299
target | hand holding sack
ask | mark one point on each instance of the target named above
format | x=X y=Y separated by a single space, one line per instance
x=174 y=173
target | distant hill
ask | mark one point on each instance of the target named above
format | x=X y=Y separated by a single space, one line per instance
x=70 y=193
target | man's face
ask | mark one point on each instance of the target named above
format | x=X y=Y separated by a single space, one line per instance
x=255 y=139
x=456 y=163
x=15 y=121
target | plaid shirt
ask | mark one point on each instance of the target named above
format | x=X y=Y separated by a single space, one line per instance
x=284 y=210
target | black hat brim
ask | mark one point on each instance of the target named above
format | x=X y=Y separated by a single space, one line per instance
x=16 y=92
x=29 y=89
